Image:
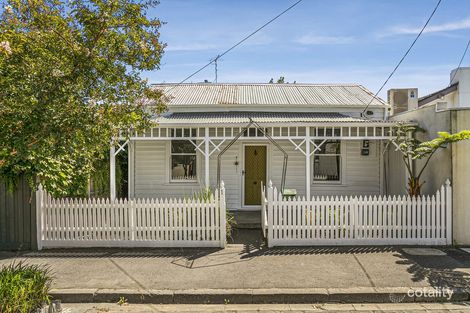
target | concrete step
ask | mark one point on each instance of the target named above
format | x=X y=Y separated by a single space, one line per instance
x=247 y=219
x=249 y=237
x=248 y=226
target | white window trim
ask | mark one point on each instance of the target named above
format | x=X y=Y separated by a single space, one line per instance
x=341 y=167
x=170 y=164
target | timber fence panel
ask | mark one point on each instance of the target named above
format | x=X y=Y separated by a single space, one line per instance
x=358 y=220
x=130 y=223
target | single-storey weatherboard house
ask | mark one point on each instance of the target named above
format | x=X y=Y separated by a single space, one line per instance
x=331 y=147
x=307 y=164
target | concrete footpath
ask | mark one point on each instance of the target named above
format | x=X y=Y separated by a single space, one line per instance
x=250 y=273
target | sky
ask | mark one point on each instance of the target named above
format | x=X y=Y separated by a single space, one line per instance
x=318 y=41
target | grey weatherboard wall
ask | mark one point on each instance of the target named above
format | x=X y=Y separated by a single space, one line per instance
x=17 y=218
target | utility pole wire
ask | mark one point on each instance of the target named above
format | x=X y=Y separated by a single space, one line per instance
x=460 y=63
x=237 y=44
x=404 y=56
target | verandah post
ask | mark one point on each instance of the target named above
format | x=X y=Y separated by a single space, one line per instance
x=223 y=215
x=130 y=169
x=206 y=157
x=448 y=212
x=270 y=212
x=307 y=162
x=112 y=172
x=39 y=215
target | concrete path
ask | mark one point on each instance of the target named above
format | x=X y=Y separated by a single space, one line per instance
x=345 y=308
x=251 y=272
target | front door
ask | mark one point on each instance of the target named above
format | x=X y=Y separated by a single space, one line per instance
x=255 y=173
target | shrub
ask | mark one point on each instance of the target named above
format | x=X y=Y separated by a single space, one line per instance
x=230 y=225
x=205 y=195
x=23 y=288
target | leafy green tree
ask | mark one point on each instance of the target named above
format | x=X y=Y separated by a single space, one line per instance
x=69 y=81
x=280 y=80
x=99 y=180
x=412 y=149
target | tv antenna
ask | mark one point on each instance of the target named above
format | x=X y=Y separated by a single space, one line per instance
x=215 y=60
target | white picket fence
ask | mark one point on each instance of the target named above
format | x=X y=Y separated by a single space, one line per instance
x=357 y=220
x=131 y=223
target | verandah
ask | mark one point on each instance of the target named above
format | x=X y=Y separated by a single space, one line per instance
x=208 y=141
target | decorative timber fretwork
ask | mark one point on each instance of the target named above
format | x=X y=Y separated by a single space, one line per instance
x=369 y=130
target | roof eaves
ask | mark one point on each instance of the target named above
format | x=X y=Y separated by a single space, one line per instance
x=437 y=94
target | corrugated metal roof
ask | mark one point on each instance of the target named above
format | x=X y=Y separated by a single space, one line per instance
x=260 y=117
x=269 y=94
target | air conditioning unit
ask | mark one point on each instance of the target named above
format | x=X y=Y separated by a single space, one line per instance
x=403 y=99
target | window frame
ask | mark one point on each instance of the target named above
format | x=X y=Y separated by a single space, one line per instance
x=340 y=181
x=171 y=154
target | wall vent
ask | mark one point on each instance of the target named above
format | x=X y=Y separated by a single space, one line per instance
x=442 y=106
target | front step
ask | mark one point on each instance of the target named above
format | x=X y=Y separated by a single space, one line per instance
x=252 y=238
x=247 y=219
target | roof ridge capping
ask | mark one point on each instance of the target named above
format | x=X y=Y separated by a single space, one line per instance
x=259 y=84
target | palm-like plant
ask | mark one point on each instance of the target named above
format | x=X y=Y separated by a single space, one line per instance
x=412 y=149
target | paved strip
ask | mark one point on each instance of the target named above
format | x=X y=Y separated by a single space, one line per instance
x=263 y=296
x=249 y=308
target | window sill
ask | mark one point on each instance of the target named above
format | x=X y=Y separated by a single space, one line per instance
x=335 y=183
x=189 y=182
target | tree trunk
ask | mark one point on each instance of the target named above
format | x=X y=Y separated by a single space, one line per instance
x=414 y=186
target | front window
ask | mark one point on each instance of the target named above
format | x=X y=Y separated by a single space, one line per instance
x=327 y=161
x=183 y=161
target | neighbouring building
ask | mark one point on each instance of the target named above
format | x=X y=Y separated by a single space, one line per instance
x=446 y=110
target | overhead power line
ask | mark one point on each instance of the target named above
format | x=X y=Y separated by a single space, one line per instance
x=403 y=57
x=238 y=43
x=460 y=63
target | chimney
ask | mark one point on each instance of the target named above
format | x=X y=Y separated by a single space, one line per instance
x=402 y=99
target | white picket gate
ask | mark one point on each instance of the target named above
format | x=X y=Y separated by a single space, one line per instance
x=130 y=223
x=357 y=220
